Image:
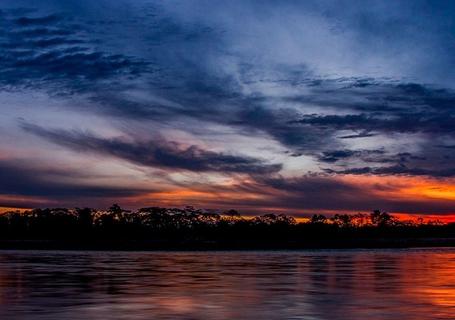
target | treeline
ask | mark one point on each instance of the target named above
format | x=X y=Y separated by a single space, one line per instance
x=157 y=228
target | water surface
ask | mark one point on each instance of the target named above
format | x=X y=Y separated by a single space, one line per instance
x=338 y=284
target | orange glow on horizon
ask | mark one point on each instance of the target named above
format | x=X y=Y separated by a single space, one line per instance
x=265 y=199
x=9 y=209
x=252 y=199
x=405 y=186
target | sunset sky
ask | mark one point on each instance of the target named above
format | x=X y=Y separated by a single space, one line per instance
x=295 y=107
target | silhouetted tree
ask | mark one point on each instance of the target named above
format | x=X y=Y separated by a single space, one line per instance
x=84 y=217
x=341 y=220
x=381 y=219
x=269 y=219
x=360 y=220
x=318 y=219
x=232 y=213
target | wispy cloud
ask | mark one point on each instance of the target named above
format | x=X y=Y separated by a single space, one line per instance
x=155 y=153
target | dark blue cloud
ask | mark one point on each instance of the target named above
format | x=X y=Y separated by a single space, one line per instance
x=365 y=155
x=397 y=170
x=155 y=153
x=38 y=21
x=51 y=52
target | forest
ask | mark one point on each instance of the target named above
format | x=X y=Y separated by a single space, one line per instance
x=190 y=228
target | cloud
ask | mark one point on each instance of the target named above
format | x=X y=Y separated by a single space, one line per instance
x=423 y=122
x=297 y=195
x=155 y=153
x=53 y=53
x=324 y=193
x=334 y=156
x=363 y=134
x=397 y=170
x=26 y=184
x=39 y=21
x=378 y=156
x=349 y=109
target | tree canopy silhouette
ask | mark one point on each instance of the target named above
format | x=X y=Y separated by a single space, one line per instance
x=158 y=227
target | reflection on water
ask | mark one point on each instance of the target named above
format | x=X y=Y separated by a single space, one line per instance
x=355 y=284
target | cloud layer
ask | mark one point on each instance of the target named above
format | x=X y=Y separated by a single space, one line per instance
x=298 y=101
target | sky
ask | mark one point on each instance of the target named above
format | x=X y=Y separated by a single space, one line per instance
x=294 y=107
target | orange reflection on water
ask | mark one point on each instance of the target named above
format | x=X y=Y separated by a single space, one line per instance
x=437 y=285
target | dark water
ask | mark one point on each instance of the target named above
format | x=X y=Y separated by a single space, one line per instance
x=356 y=284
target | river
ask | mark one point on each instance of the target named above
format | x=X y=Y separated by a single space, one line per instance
x=403 y=284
